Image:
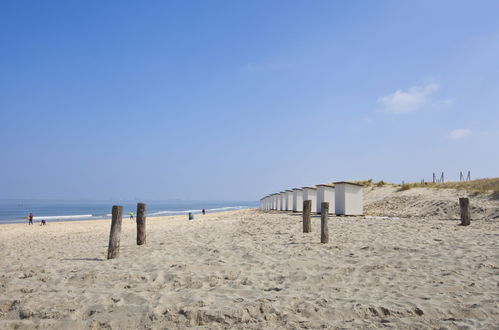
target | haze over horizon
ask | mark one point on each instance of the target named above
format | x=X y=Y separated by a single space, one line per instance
x=235 y=100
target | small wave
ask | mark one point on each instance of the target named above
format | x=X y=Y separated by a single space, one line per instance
x=13 y=221
x=62 y=217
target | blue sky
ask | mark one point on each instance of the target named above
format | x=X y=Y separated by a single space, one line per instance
x=237 y=99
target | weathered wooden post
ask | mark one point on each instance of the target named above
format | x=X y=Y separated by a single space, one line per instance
x=324 y=218
x=113 y=250
x=464 y=203
x=141 y=223
x=307 y=207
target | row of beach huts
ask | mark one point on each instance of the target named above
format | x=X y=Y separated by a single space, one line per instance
x=344 y=198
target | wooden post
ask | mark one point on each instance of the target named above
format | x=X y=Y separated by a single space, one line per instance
x=113 y=250
x=464 y=203
x=307 y=207
x=324 y=218
x=141 y=223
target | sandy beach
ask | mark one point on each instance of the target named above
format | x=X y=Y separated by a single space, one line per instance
x=252 y=269
x=249 y=116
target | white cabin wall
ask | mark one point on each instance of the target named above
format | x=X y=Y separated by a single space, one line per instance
x=297 y=200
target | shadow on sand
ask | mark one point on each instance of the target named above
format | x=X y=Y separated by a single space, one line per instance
x=84 y=259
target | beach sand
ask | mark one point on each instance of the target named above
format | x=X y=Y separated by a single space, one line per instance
x=252 y=269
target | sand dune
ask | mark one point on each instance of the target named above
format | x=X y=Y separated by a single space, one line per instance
x=427 y=202
x=252 y=269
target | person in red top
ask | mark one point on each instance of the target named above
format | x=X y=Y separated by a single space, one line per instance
x=30 y=217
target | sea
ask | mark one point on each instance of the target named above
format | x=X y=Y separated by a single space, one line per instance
x=17 y=211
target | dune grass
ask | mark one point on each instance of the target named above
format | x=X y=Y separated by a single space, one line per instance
x=487 y=185
x=371 y=182
x=479 y=186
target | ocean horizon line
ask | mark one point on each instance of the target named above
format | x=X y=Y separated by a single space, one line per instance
x=137 y=200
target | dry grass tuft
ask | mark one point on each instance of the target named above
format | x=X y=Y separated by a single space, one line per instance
x=366 y=183
x=370 y=182
x=405 y=186
x=477 y=186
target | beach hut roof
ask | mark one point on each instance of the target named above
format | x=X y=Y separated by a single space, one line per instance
x=346 y=182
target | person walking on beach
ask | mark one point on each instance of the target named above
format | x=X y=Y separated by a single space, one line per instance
x=30 y=218
x=204 y=212
x=131 y=215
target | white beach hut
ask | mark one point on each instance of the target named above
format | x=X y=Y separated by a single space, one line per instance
x=297 y=200
x=283 y=200
x=272 y=201
x=348 y=198
x=278 y=201
x=289 y=200
x=325 y=193
x=310 y=193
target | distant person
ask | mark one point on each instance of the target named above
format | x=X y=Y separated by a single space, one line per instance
x=30 y=218
x=131 y=215
x=43 y=223
x=204 y=212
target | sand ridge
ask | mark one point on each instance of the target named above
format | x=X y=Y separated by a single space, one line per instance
x=427 y=202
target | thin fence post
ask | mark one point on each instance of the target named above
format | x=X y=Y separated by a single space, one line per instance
x=113 y=250
x=307 y=207
x=464 y=204
x=141 y=223
x=324 y=220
